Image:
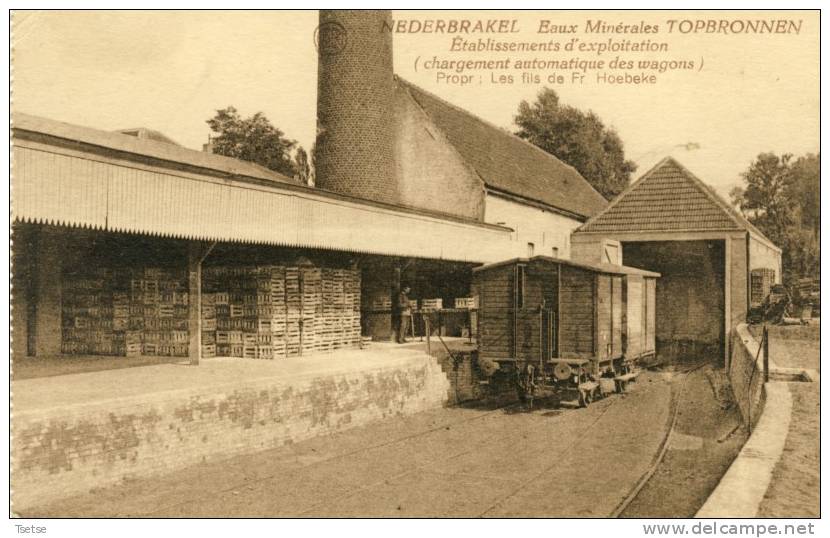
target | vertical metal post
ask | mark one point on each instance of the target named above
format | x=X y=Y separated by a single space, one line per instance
x=426 y=330
x=765 y=343
x=194 y=316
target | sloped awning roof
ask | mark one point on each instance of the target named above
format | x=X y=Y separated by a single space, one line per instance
x=669 y=198
x=604 y=268
x=507 y=163
x=74 y=176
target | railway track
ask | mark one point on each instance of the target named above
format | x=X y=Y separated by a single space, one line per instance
x=661 y=454
x=583 y=432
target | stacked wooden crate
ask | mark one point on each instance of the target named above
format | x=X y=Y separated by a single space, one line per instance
x=467 y=303
x=273 y=311
x=432 y=304
x=338 y=323
x=160 y=294
x=125 y=311
x=87 y=314
x=761 y=281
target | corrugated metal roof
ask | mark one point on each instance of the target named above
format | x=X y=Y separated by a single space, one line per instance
x=144 y=147
x=507 y=163
x=665 y=199
x=67 y=186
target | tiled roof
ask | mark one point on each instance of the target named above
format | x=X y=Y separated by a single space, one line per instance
x=507 y=163
x=668 y=198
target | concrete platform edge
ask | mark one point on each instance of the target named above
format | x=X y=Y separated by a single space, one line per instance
x=742 y=489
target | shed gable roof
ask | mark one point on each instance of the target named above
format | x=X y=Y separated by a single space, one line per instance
x=669 y=198
x=507 y=163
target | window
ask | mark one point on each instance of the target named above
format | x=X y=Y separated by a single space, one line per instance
x=520 y=286
x=555 y=252
x=530 y=249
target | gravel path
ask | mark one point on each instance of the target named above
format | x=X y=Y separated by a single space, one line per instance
x=794 y=491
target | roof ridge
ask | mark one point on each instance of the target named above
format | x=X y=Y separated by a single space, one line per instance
x=494 y=126
x=698 y=184
x=710 y=193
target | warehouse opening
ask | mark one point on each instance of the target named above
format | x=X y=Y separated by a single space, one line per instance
x=690 y=297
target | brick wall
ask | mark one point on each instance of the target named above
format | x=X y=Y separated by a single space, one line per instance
x=462 y=374
x=355 y=90
x=69 y=449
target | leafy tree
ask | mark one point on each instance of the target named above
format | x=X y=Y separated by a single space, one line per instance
x=804 y=188
x=252 y=139
x=780 y=197
x=577 y=138
x=302 y=165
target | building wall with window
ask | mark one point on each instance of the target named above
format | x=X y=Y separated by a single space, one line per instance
x=544 y=229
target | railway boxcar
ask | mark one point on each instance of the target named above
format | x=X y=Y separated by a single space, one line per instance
x=565 y=316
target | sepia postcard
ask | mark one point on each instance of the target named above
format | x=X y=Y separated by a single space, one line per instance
x=431 y=264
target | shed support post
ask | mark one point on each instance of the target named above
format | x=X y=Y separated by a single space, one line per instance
x=196 y=253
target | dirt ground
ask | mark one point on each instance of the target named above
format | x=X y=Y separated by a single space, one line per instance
x=476 y=461
x=704 y=443
x=33 y=367
x=792 y=346
x=795 y=487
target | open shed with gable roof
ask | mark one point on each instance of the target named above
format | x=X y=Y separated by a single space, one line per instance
x=671 y=222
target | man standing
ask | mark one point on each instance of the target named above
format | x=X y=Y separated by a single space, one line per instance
x=404 y=315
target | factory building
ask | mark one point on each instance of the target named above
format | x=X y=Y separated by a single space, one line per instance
x=128 y=244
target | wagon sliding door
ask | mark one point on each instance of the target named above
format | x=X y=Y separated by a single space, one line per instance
x=495 y=315
x=649 y=314
x=635 y=317
x=576 y=318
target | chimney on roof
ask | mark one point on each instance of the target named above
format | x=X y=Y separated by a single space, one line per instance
x=355 y=93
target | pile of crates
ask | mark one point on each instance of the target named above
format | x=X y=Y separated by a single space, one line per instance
x=273 y=311
x=125 y=312
x=761 y=281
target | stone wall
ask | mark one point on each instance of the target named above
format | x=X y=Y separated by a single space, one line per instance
x=73 y=448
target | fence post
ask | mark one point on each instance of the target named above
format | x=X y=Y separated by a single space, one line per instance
x=427 y=331
x=765 y=344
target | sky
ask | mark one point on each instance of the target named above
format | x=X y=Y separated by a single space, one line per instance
x=170 y=71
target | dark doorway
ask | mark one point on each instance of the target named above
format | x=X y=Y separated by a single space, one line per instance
x=690 y=295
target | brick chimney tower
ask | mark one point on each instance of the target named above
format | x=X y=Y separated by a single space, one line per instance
x=355 y=95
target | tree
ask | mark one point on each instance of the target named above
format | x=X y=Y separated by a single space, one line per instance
x=804 y=188
x=252 y=139
x=302 y=166
x=577 y=138
x=780 y=197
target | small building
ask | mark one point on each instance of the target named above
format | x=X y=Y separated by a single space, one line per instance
x=671 y=222
x=543 y=308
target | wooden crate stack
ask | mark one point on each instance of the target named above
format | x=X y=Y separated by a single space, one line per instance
x=160 y=297
x=125 y=312
x=761 y=281
x=87 y=314
x=271 y=312
x=338 y=324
